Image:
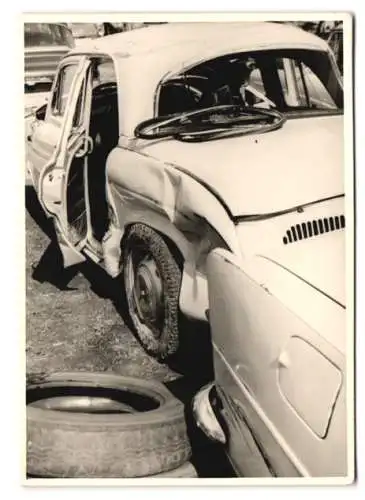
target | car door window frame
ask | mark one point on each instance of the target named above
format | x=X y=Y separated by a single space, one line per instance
x=58 y=162
x=50 y=115
x=67 y=127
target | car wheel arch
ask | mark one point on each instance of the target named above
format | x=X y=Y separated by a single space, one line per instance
x=178 y=251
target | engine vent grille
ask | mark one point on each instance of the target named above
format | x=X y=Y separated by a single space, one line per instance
x=313 y=228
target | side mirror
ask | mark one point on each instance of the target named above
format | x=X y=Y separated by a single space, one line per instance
x=41 y=112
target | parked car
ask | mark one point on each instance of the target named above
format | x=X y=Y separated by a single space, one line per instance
x=160 y=144
x=45 y=44
x=279 y=402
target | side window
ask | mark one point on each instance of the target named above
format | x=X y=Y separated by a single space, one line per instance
x=302 y=87
x=318 y=95
x=78 y=116
x=106 y=72
x=62 y=89
x=292 y=83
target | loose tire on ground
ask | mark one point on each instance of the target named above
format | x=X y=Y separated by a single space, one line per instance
x=80 y=442
x=160 y=339
x=185 y=470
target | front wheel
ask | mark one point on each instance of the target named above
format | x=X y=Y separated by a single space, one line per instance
x=152 y=280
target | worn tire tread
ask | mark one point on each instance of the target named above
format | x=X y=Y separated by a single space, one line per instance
x=167 y=344
x=60 y=445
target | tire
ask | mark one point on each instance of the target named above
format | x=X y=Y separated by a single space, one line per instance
x=79 y=442
x=157 y=327
x=185 y=470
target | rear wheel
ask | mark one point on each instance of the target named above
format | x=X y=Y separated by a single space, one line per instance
x=152 y=280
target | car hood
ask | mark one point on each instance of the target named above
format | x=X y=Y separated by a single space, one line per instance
x=265 y=173
x=34 y=101
x=320 y=262
x=309 y=278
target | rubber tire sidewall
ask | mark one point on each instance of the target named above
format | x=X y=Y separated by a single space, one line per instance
x=63 y=444
x=168 y=342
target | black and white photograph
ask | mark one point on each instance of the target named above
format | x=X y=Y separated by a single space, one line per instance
x=189 y=248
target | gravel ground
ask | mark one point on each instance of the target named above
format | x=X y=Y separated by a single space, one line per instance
x=75 y=325
x=74 y=321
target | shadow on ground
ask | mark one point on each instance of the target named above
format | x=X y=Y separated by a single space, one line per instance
x=193 y=361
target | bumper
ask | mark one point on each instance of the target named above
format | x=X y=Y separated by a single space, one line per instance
x=204 y=414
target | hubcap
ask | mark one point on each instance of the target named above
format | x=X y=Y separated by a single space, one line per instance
x=148 y=294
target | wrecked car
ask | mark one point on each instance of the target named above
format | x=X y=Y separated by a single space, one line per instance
x=159 y=145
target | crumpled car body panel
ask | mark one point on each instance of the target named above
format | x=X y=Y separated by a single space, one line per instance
x=143 y=189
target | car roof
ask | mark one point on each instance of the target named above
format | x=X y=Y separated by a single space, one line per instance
x=158 y=52
x=224 y=37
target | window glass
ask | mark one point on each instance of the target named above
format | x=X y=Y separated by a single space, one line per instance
x=62 y=89
x=103 y=72
x=311 y=90
x=294 y=91
x=78 y=116
x=317 y=93
x=286 y=80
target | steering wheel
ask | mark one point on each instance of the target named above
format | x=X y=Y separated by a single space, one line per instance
x=196 y=88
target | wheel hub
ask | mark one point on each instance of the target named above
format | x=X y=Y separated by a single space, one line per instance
x=148 y=293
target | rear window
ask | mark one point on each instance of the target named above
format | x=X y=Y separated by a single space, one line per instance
x=47 y=34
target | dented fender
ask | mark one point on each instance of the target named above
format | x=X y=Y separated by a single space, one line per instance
x=142 y=189
x=146 y=182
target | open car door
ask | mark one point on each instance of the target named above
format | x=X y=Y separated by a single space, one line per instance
x=54 y=179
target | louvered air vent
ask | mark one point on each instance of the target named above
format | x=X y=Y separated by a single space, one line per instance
x=313 y=228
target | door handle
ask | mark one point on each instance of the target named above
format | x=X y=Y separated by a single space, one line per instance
x=87 y=148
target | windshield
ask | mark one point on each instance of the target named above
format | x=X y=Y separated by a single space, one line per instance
x=47 y=34
x=84 y=30
x=289 y=81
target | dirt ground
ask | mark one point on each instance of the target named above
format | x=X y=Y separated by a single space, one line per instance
x=74 y=321
x=72 y=324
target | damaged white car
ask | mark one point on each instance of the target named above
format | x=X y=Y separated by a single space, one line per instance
x=159 y=145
